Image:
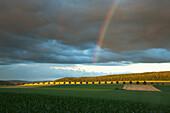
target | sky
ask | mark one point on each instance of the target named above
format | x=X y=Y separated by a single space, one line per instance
x=51 y=39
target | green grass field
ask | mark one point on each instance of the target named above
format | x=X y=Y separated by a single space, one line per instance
x=81 y=97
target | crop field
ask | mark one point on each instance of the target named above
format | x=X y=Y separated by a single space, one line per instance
x=150 y=76
x=84 y=98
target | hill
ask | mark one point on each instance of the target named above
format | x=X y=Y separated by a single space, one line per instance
x=4 y=82
x=121 y=77
x=11 y=82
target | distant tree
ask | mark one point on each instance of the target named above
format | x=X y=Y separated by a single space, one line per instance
x=22 y=83
x=32 y=82
x=27 y=82
x=17 y=83
x=38 y=82
x=144 y=82
x=117 y=82
x=130 y=82
x=137 y=82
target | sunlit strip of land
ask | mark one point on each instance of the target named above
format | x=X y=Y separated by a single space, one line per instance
x=96 y=82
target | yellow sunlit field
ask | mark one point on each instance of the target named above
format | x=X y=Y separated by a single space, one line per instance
x=98 y=82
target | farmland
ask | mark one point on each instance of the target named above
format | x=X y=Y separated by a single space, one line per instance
x=149 y=76
x=84 y=98
x=91 y=94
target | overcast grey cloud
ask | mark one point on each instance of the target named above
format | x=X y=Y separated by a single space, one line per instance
x=66 y=31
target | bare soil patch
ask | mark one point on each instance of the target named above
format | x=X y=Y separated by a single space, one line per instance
x=140 y=87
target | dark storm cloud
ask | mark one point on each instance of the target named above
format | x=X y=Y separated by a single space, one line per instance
x=35 y=49
x=139 y=25
x=66 y=31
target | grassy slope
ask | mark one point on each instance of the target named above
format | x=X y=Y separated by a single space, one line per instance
x=122 y=77
x=100 y=92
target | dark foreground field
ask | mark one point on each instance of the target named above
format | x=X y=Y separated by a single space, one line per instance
x=84 y=98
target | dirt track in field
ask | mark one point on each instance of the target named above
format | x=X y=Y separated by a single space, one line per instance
x=140 y=87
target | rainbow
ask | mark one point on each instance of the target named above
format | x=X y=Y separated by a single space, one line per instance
x=104 y=30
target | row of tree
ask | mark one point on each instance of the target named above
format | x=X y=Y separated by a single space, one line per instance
x=117 y=82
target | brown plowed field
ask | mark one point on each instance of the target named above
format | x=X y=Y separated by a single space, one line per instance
x=141 y=87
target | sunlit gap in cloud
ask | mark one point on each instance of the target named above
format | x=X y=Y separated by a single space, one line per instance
x=117 y=69
x=51 y=71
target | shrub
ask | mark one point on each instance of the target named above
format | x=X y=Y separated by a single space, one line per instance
x=137 y=82
x=151 y=82
x=124 y=82
x=144 y=82
x=162 y=83
x=38 y=82
x=17 y=83
x=157 y=83
x=117 y=82
x=130 y=82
